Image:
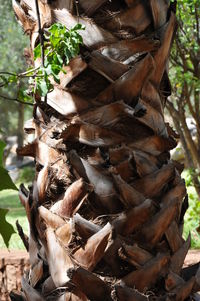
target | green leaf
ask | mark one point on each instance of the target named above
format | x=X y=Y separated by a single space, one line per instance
x=6 y=229
x=78 y=27
x=6 y=181
x=37 y=52
x=13 y=78
x=22 y=95
x=41 y=87
x=2 y=146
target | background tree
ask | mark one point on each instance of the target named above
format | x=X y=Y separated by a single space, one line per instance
x=185 y=76
x=13 y=42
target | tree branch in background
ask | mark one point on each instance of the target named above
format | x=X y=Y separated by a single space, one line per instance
x=189 y=159
x=17 y=100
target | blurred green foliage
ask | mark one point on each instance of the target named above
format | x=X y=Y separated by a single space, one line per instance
x=192 y=216
x=12 y=44
x=185 y=54
x=26 y=175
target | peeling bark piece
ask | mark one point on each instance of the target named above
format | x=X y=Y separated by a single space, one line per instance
x=36 y=273
x=172 y=281
x=30 y=293
x=40 y=151
x=129 y=85
x=103 y=185
x=125 y=170
x=84 y=227
x=24 y=198
x=16 y=296
x=66 y=103
x=92 y=135
x=162 y=54
x=75 y=295
x=72 y=199
x=135 y=255
x=40 y=186
x=107 y=67
x=136 y=18
x=60 y=4
x=159 y=11
x=179 y=191
x=178 y=258
x=146 y=277
x=129 y=221
x=28 y=150
x=153 y=231
x=33 y=250
x=64 y=233
x=123 y=50
x=111 y=256
x=184 y=290
x=92 y=286
x=145 y=163
x=152 y=184
x=75 y=67
x=119 y=154
x=174 y=237
x=26 y=21
x=90 y=7
x=45 y=12
x=48 y=286
x=52 y=220
x=129 y=196
x=153 y=119
x=191 y=270
x=151 y=96
x=108 y=115
x=125 y=293
x=93 y=251
x=154 y=145
x=58 y=260
x=93 y=36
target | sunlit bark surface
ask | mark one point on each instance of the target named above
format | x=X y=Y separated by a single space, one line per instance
x=107 y=204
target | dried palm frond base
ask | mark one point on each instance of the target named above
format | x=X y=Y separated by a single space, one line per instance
x=107 y=204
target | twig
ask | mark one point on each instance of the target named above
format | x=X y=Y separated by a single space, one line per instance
x=16 y=100
x=28 y=71
x=41 y=36
x=8 y=73
x=23 y=236
x=77 y=10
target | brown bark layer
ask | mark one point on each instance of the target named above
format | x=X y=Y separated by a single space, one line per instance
x=106 y=194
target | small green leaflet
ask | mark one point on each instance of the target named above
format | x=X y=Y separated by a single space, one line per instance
x=6 y=229
x=60 y=46
x=5 y=180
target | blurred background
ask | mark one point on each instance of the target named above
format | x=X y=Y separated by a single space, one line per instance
x=182 y=111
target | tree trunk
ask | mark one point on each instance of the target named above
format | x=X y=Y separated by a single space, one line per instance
x=107 y=203
x=189 y=159
x=20 y=127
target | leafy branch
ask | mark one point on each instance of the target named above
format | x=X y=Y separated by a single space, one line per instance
x=59 y=47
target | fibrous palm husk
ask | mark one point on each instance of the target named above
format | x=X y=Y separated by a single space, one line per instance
x=107 y=204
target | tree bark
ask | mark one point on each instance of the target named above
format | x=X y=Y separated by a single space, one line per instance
x=105 y=187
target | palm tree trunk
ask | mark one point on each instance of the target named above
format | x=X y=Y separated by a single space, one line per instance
x=106 y=207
